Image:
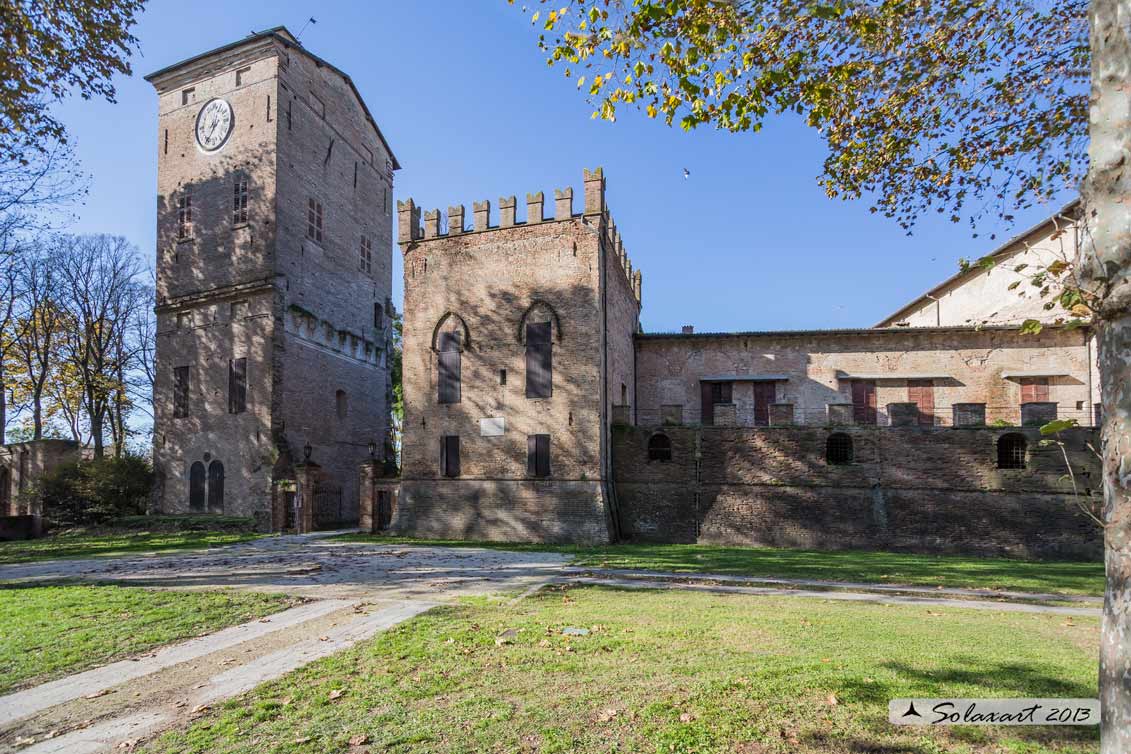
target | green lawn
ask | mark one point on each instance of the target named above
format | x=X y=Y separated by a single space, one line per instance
x=663 y=672
x=123 y=542
x=1073 y=577
x=49 y=631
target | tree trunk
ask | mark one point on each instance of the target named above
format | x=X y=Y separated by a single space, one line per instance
x=3 y=403
x=1104 y=267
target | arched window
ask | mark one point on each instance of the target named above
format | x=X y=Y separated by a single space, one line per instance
x=449 y=339
x=838 y=449
x=659 y=447
x=215 y=487
x=1011 y=451
x=196 y=486
x=341 y=404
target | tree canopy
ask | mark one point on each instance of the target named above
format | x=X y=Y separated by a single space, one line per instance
x=963 y=107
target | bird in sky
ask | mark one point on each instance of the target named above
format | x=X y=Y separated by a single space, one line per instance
x=686 y=174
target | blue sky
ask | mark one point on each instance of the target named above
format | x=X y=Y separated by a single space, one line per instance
x=462 y=93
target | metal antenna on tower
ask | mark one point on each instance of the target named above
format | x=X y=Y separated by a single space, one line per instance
x=309 y=21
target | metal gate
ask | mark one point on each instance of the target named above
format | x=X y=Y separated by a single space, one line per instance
x=327 y=506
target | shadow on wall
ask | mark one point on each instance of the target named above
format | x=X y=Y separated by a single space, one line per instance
x=928 y=490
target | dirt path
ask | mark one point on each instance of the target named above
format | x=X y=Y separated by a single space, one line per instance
x=356 y=590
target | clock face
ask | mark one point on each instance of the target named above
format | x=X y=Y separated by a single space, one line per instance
x=213 y=124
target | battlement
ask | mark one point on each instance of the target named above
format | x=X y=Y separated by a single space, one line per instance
x=411 y=230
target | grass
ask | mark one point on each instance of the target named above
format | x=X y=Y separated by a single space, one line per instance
x=662 y=672
x=89 y=544
x=49 y=631
x=1072 y=577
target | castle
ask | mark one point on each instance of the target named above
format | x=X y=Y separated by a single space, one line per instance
x=536 y=408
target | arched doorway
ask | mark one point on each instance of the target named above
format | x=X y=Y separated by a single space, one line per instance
x=215 y=487
x=196 y=487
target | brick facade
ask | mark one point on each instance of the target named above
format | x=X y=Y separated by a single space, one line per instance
x=301 y=311
x=22 y=463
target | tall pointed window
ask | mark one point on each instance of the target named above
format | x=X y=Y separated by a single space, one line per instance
x=180 y=392
x=237 y=386
x=448 y=361
x=184 y=213
x=239 y=201
x=538 y=456
x=314 y=220
x=539 y=360
x=366 y=255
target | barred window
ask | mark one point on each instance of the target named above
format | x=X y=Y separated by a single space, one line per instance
x=184 y=213
x=314 y=220
x=366 y=255
x=239 y=202
x=659 y=447
x=1011 y=451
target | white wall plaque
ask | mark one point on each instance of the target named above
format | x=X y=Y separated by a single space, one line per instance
x=492 y=427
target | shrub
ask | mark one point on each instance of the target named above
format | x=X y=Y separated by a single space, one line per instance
x=91 y=492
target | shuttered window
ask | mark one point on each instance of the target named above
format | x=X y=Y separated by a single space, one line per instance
x=765 y=393
x=538 y=455
x=449 y=455
x=864 y=401
x=237 y=386
x=448 y=363
x=1034 y=389
x=180 y=392
x=922 y=394
x=539 y=360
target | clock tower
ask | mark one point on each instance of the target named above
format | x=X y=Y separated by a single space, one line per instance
x=274 y=275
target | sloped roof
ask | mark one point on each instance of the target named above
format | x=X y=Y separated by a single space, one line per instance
x=290 y=42
x=1067 y=212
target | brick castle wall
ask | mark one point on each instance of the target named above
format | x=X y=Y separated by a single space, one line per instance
x=908 y=489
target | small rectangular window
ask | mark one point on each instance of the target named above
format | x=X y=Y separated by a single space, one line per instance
x=237 y=386
x=289 y=103
x=539 y=361
x=188 y=96
x=238 y=310
x=314 y=220
x=180 y=392
x=449 y=456
x=355 y=173
x=184 y=320
x=378 y=316
x=1034 y=389
x=166 y=141
x=722 y=392
x=538 y=456
x=366 y=252
x=239 y=203
x=502 y=376
x=184 y=213
x=241 y=75
x=268 y=108
x=448 y=361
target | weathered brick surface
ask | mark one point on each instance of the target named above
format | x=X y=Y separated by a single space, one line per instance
x=487 y=284
x=928 y=490
x=969 y=366
x=301 y=312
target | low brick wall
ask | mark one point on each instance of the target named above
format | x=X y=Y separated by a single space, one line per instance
x=923 y=490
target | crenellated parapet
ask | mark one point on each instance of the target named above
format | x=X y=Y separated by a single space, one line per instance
x=411 y=230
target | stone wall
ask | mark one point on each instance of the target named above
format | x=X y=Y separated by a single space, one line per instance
x=923 y=490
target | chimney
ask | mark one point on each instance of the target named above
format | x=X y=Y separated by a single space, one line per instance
x=688 y=329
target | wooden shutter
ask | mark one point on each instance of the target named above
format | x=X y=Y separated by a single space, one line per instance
x=196 y=487
x=1034 y=389
x=864 y=401
x=237 y=386
x=765 y=393
x=538 y=455
x=539 y=360
x=215 y=487
x=922 y=393
x=448 y=362
x=449 y=455
x=707 y=404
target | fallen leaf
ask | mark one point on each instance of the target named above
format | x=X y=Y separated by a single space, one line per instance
x=686 y=717
x=97 y=694
x=323 y=638
x=336 y=694
x=200 y=710
x=831 y=700
x=506 y=637
x=607 y=715
x=303 y=740
x=359 y=740
x=286 y=701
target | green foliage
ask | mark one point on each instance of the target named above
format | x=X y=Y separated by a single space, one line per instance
x=54 y=48
x=195 y=522
x=92 y=492
x=100 y=542
x=1058 y=425
x=939 y=105
x=1031 y=327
